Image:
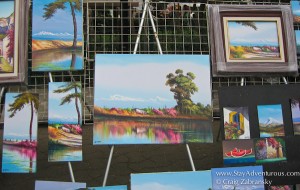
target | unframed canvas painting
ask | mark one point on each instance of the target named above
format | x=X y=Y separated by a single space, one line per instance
x=197 y=180
x=117 y=187
x=64 y=122
x=296 y=115
x=57 y=32
x=20 y=133
x=236 y=123
x=281 y=187
x=137 y=103
x=57 y=185
x=296 y=11
x=270 y=120
x=297 y=33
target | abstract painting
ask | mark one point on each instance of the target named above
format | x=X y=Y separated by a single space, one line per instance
x=238 y=152
x=239 y=179
x=281 y=187
x=296 y=11
x=118 y=187
x=270 y=120
x=296 y=115
x=57 y=30
x=269 y=150
x=297 y=34
x=197 y=180
x=64 y=122
x=236 y=123
x=57 y=185
x=136 y=103
x=20 y=133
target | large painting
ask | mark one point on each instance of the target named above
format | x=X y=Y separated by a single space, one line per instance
x=137 y=103
x=295 y=106
x=65 y=122
x=57 y=185
x=57 y=33
x=197 y=180
x=20 y=133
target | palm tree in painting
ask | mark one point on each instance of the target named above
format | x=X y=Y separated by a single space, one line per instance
x=75 y=94
x=51 y=8
x=20 y=101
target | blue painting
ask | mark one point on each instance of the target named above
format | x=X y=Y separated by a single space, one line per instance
x=297 y=33
x=57 y=35
x=197 y=180
x=117 y=187
x=57 y=185
x=296 y=11
x=296 y=115
x=137 y=103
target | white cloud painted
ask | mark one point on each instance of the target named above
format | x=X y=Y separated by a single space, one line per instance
x=156 y=186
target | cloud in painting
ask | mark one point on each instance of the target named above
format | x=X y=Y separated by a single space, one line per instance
x=156 y=186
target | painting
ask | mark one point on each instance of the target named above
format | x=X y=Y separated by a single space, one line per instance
x=238 y=152
x=296 y=11
x=269 y=150
x=196 y=180
x=297 y=33
x=64 y=122
x=117 y=187
x=20 y=133
x=236 y=123
x=136 y=103
x=281 y=187
x=57 y=35
x=295 y=107
x=57 y=185
x=238 y=181
x=270 y=120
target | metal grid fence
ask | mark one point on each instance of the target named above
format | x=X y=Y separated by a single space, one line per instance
x=111 y=27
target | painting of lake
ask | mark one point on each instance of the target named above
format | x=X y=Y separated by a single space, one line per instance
x=136 y=103
x=295 y=115
x=20 y=133
x=57 y=35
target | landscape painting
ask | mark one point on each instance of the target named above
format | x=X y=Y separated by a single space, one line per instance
x=137 y=103
x=270 y=120
x=238 y=152
x=57 y=185
x=236 y=123
x=296 y=11
x=297 y=35
x=295 y=106
x=281 y=187
x=20 y=133
x=239 y=180
x=117 y=187
x=269 y=150
x=57 y=35
x=64 y=122
x=253 y=39
x=195 y=180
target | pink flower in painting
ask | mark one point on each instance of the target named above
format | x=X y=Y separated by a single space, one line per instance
x=157 y=112
x=171 y=112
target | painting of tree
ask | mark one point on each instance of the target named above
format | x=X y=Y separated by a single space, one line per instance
x=10 y=45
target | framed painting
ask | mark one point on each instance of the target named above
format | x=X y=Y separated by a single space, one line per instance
x=252 y=40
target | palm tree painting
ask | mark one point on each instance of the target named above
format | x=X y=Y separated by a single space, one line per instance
x=64 y=121
x=57 y=30
x=20 y=133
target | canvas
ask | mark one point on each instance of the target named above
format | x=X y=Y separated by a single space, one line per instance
x=20 y=133
x=196 y=180
x=57 y=185
x=295 y=107
x=239 y=179
x=137 y=103
x=269 y=150
x=64 y=122
x=236 y=123
x=281 y=187
x=238 y=152
x=57 y=35
x=118 y=187
x=296 y=11
x=297 y=34
x=270 y=120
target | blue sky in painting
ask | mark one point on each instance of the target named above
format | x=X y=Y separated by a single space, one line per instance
x=138 y=81
x=297 y=32
x=295 y=7
x=199 y=180
x=266 y=33
x=64 y=114
x=50 y=185
x=118 y=187
x=222 y=178
x=6 y=8
x=60 y=25
x=18 y=126
x=266 y=112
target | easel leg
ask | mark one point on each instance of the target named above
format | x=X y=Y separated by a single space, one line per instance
x=190 y=157
x=108 y=165
x=71 y=172
x=284 y=80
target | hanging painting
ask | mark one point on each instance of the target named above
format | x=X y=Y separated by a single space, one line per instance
x=117 y=187
x=296 y=11
x=57 y=185
x=295 y=106
x=20 y=133
x=137 y=103
x=297 y=33
x=57 y=35
x=64 y=122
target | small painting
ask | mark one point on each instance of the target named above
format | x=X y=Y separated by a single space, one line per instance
x=57 y=185
x=281 y=187
x=236 y=123
x=136 y=103
x=296 y=11
x=270 y=120
x=242 y=175
x=238 y=152
x=295 y=106
x=20 y=133
x=297 y=35
x=57 y=35
x=252 y=39
x=64 y=122
x=197 y=180
x=269 y=150
x=117 y=187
